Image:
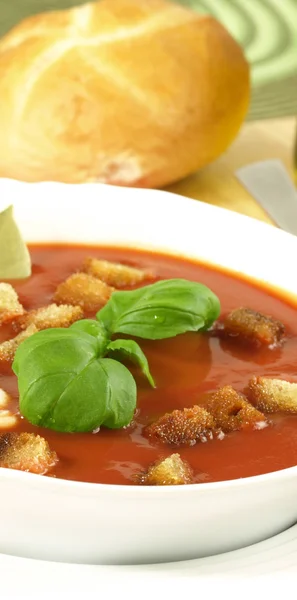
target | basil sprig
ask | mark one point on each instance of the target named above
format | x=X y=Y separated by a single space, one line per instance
x=72 y=379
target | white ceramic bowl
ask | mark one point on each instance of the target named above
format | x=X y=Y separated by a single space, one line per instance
x=92 y=523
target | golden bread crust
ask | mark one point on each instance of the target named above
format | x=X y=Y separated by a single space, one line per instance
x=116 y=90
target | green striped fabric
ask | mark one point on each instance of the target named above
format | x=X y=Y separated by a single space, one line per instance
x=267 y=30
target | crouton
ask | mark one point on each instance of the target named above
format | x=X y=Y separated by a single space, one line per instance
x=232 y=412
x=114 y=274
x=26 y=452
x=251 y=326
x=168 y=471
x=9 y=348
x=49 y=316
x=272 y=395
x=7 y=418
x=9 y=303
x=4 y=399
x=83 y=290
x=183 y=427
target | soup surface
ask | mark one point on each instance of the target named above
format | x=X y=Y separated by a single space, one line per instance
x=185 y=369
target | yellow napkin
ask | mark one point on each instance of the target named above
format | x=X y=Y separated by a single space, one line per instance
x=216 y=184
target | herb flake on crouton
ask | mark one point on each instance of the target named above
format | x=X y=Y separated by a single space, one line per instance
x=50 y=316
x=115 y=274
x=183 y=427
x=83 y=290
x=10 y=306
x=253 y=327
x=272 y=395
x=232 y=412
x=168 y=471
x=9 y=348
x=26 y=452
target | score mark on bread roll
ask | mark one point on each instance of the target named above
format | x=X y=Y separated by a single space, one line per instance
x=129 y=92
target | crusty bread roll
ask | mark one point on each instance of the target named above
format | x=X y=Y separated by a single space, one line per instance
x=127 y=92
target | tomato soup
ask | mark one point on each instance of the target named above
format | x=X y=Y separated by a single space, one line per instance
x=185 y=368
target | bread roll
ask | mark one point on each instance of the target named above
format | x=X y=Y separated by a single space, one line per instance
x=127 y=92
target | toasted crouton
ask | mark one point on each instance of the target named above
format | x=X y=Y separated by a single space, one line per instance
x=168 y=471
x=114 y=274
x=251 y=326
x=49 y=316
x=83 y=290
x=9 y=348
x=7 y=418
x=4 y=399
x=9 y=303
x=232 y=412
x=26 y=452
x=272 y=395
x=183 y=427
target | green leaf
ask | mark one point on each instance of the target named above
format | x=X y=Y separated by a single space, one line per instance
x=15 y=262
x=94 y=328
x=161 y=310
x=121 y=394
x=129 y=349
x=65 y=385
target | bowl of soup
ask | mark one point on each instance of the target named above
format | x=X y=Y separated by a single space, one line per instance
x=205 y=459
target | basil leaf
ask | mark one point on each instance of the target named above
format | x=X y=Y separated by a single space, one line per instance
x=15 y=262
x=94 y=328
x=65 y=385
x=129 y=349
x=161 y=310
x=121 y=394
x=90 y=326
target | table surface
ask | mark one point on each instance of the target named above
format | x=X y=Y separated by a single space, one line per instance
x=217 y=184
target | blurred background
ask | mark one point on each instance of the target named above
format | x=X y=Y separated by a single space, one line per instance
x=267 y=30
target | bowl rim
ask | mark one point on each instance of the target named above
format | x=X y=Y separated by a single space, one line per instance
x=259 y=229
x=83 y=487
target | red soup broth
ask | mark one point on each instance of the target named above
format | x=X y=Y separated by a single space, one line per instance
x=185 y=369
